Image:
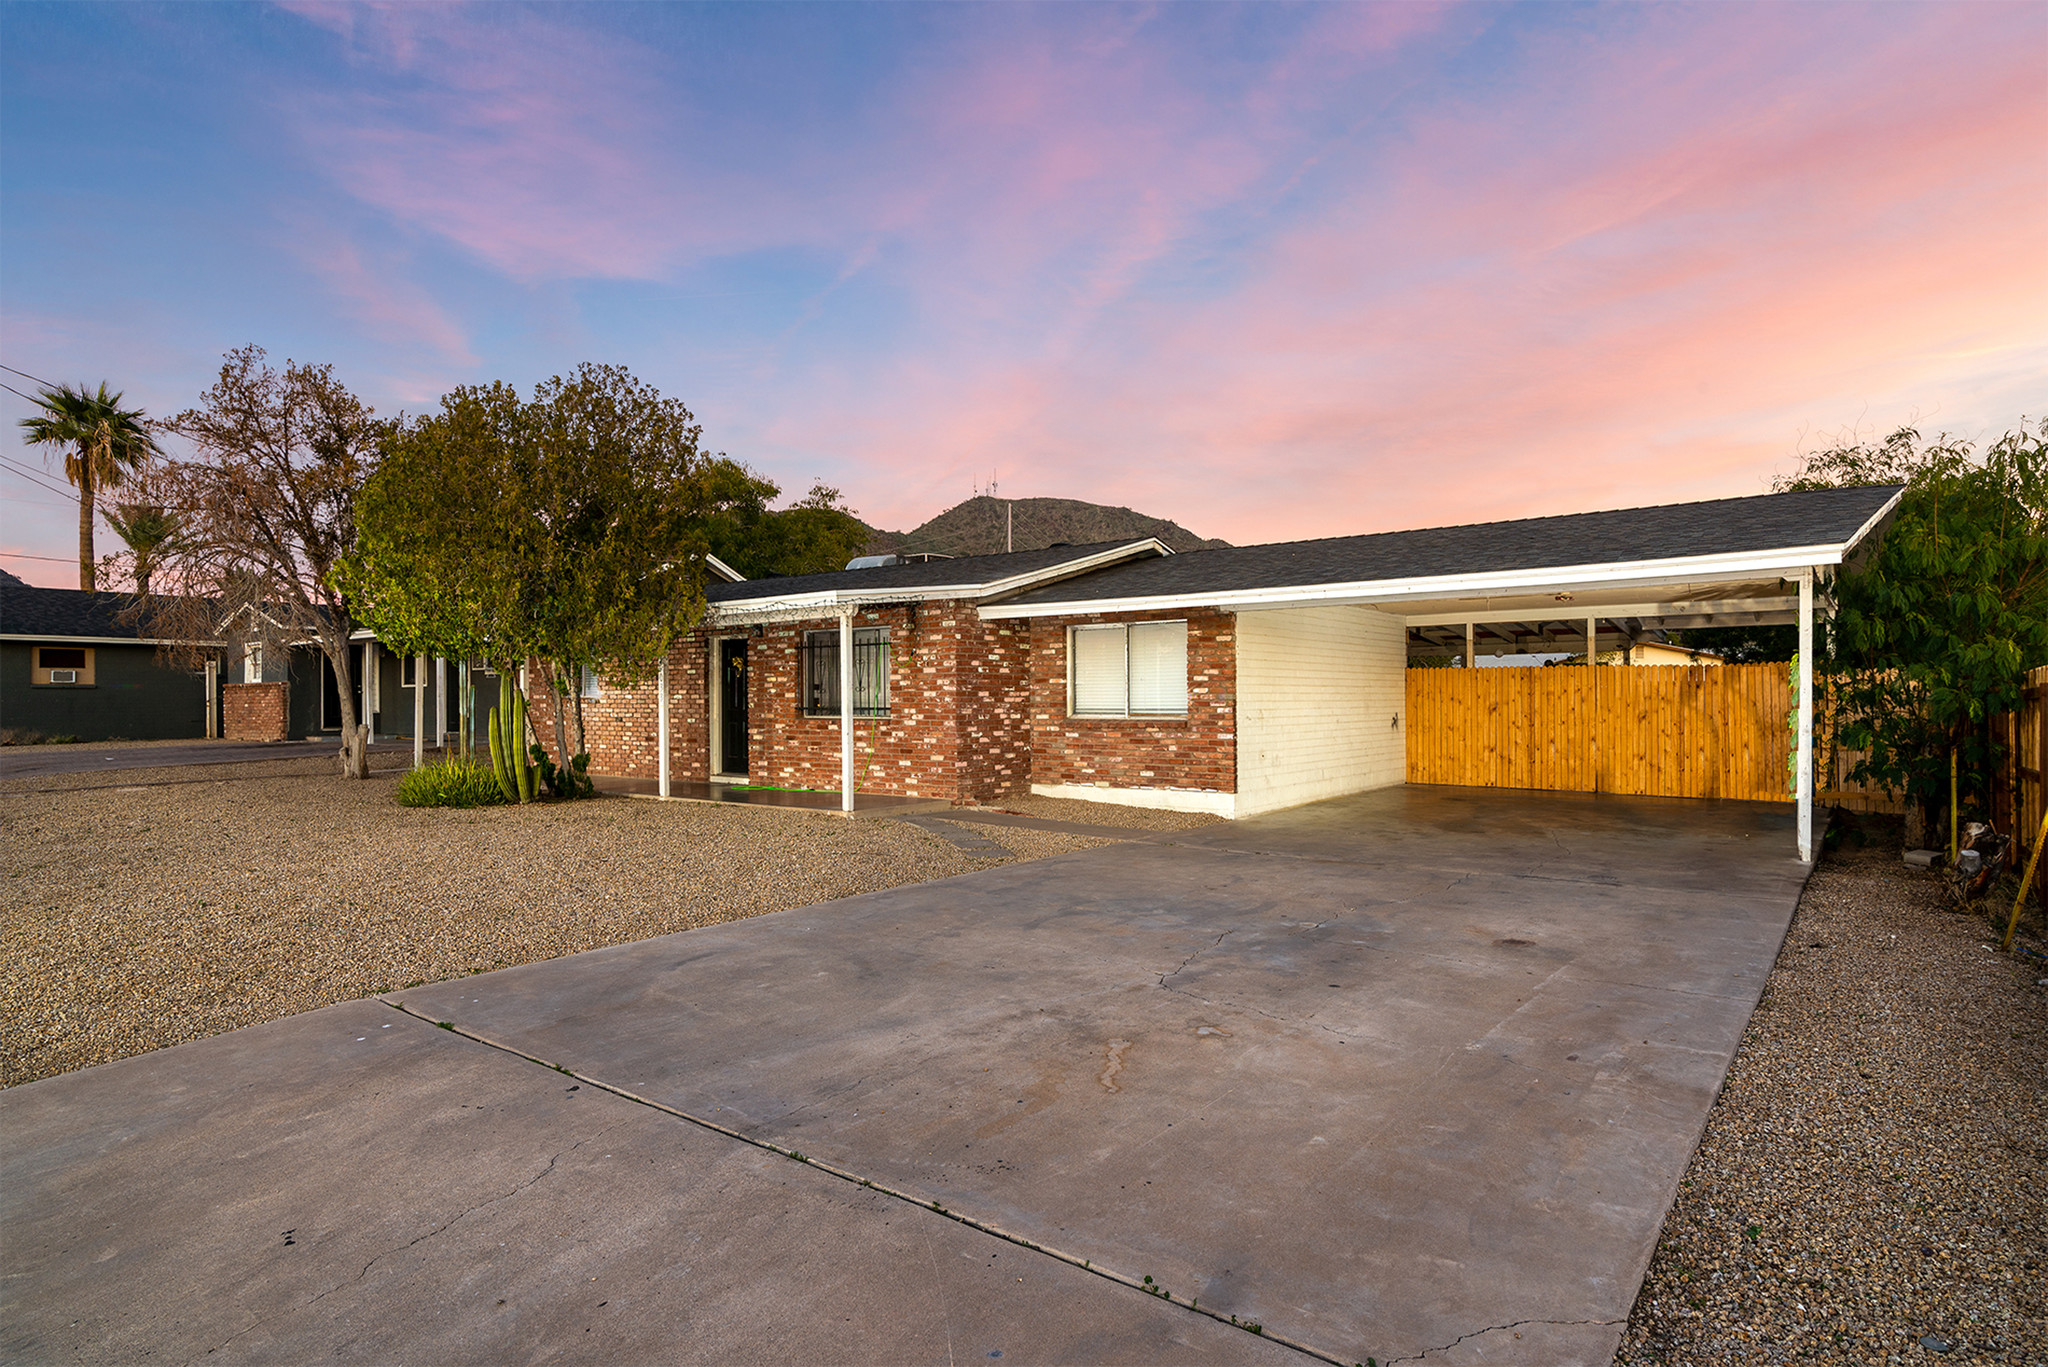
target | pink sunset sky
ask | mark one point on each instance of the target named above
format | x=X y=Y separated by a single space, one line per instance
x=1270 y=272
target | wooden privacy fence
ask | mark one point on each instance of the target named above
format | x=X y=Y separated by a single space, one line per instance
x=1652 y=730
x=1669 y=731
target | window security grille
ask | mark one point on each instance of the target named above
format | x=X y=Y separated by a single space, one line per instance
x=63 y=676
x=870 y=673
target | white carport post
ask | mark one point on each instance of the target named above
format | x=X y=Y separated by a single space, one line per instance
x=419 y=710
x=1469 y=634
x=372 y=695
x=441 y=702
x=846 y=710
x=1803 y=774
x=661 y=721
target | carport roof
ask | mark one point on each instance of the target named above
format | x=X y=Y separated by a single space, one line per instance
x=1721 y=540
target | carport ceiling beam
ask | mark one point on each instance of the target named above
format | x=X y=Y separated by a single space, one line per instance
x=1716 y=608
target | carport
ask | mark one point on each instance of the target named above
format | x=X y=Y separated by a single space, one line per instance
x=1325 y=628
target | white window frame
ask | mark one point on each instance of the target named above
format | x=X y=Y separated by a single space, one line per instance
x=408 y=671
x=1073 y=690
x=252 y=663
x=588 y=684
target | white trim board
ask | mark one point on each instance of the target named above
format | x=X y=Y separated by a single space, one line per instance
x=1160 y=799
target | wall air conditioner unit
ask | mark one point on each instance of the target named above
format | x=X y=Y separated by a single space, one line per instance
x=58 y=676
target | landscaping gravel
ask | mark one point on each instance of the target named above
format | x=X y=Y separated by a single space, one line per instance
x=150 y=910
x=1869 y=1188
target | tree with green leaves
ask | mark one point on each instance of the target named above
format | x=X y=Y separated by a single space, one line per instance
x=568 y=529
x=101 y=442
x=1933 y=633
x=816 y=534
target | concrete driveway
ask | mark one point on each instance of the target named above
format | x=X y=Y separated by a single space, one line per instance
x=1405 y=1076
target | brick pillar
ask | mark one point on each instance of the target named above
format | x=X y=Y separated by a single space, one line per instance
x=256 y=711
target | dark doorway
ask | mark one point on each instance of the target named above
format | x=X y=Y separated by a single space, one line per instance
x=732 y=707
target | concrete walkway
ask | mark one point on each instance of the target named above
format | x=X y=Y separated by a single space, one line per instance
x=1405 y=1076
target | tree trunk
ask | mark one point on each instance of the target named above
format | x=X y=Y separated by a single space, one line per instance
x=355 y=738
x=88 y=576
x=561 y=726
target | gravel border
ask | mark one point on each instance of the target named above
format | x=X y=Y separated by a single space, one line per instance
x=1869 y=1187
x=139 y=915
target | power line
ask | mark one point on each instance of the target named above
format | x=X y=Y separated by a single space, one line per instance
x=26 y=376
x=23 y=472
x=24 y=555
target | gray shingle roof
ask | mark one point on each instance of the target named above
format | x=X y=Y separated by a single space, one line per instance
x=1760 y=523
x=970 y=570
x=28 y=611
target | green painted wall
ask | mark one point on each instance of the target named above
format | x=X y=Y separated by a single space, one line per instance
x=132 y=697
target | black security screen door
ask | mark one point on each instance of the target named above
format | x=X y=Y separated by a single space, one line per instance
x=732 y=706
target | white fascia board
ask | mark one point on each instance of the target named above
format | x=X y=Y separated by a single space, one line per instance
x=101 y=640
x=1067 y=569
x=831 y=602
x=1876 y=520
x=1782 y=563
x=723 y=570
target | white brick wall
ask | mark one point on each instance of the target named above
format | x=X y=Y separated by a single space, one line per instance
x=1321 y=694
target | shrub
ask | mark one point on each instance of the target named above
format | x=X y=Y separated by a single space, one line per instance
x=450 y=783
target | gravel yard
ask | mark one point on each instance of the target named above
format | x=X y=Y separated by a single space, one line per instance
x=1870 y=1186
x=155 y=906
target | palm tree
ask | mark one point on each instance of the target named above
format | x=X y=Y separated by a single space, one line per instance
x=150 y=529
x=101 y=442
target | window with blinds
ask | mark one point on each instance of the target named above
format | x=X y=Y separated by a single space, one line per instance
x=1138 y=669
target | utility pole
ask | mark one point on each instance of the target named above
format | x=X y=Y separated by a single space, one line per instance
x=1009 y=526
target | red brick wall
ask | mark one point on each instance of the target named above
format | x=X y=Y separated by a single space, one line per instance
x=255 y=711
x=622 y=727
x=957 y=727
x=1198 y=751
x=959 y=710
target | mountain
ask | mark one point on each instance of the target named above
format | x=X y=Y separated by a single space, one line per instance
x=977 y=526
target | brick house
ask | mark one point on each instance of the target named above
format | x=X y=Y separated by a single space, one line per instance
x=1236 y=680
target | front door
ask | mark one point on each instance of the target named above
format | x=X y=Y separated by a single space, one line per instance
x=732 y=707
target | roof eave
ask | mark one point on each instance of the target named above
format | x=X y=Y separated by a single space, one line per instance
x=1699 y=569
x=830 y=602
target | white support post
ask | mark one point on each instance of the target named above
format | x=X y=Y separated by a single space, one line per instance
x=1470 y=633
x=441 y=703
x=213 y=700
x=1803 y=774
x=846 y=711
x=661 y=720
x=465 y=716
x=419 y=711
x=370 y=698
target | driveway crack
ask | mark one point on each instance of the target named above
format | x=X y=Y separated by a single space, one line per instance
x=1494 y=1329
x=1196 y=955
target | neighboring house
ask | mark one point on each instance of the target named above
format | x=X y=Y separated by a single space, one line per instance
x=1647 y=652
x=69 y=666
x=1233 y=680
